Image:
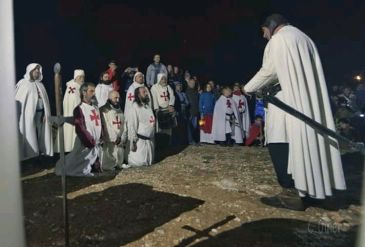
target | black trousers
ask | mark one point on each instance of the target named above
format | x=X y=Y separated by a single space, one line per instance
x=279 y=153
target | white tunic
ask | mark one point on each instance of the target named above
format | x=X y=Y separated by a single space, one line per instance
x=275 y=124
x=162 y=96
x=244 y=113
x=221 y=125
x=113 y=128
x=71 y=99
x=102 y=93
x=141 y=121
x=314 y=159
x=80 y=160
x=29 y=97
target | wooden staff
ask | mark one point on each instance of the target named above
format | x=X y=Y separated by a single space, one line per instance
x=60 y=122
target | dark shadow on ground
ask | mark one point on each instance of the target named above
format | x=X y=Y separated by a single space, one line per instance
x=38 y=164
x=164 y=150
x=113 y=217
x=280 y=233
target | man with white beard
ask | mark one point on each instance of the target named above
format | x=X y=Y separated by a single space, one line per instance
x=114 y=133
x=85 y=157
x=141 y=130
x=71 y=99
x=314 y=160
x=103 y=89
x=35 y=137
x=163 y=105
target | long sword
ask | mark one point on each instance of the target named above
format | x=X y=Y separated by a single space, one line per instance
x=267 y=95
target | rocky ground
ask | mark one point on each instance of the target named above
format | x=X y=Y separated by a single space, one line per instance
x=197 y=196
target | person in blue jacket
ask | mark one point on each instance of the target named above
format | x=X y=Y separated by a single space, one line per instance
x=206 y=109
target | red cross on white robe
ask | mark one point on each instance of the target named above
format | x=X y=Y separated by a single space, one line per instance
x=164 y=96
x=71 y=90
x=95 y=117
x=117 y=122
x=130 y=96
x=228 y=103
x=240 y=104
x=152 y=120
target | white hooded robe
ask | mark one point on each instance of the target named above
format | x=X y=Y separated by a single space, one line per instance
x=35 y=135
x=244 y=113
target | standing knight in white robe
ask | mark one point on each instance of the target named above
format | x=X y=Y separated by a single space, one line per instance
x=226 y=120
x=114 y=133
x=71 y=99
x=35 y=131
x=138 y=81
x=242 y=106
x=291 y=58
x=163 y=100
x=103 y=89
x=87 y=151
x=141 y=130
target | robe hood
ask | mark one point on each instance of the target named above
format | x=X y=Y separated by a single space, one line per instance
x=160 y=76
x=138 y=73
x=78 y=72
x=31 y=67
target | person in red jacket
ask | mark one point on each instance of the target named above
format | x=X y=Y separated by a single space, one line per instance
x=113 y=75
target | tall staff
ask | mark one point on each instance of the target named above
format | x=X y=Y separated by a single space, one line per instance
x=60 y=121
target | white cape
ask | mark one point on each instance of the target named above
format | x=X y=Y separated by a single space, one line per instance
x=26 y=96
x=291 y=58
x=220 y=124
x=244 y=113
x=71 y=99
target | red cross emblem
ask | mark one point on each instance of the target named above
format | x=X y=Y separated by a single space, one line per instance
x=152 y=120
x=71 y=90
x=164 y=96
x=117 y=122
x=130 y=96
x=228 y=103
x=241 y=104
x=95 y=117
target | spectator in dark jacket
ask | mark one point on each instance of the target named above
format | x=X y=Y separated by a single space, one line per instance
x=193 y=98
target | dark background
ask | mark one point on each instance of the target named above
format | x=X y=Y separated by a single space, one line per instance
x=218 y=40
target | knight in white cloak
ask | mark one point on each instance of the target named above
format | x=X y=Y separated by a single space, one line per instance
x=163 y=101
x=71 y=99
x=243 y=112
x=103 y=89
x=114 y=133
x=35 y=131
x=314 y=160
x=84 y=159
x=141 y=130
x=225 y=120
x=138 y=81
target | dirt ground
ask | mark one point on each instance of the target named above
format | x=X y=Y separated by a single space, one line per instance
x=195 y=196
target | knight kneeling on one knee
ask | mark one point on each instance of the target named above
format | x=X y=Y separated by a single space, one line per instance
x=114 y=133
x=84 y=160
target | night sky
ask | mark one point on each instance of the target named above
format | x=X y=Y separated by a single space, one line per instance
x=218 y=40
